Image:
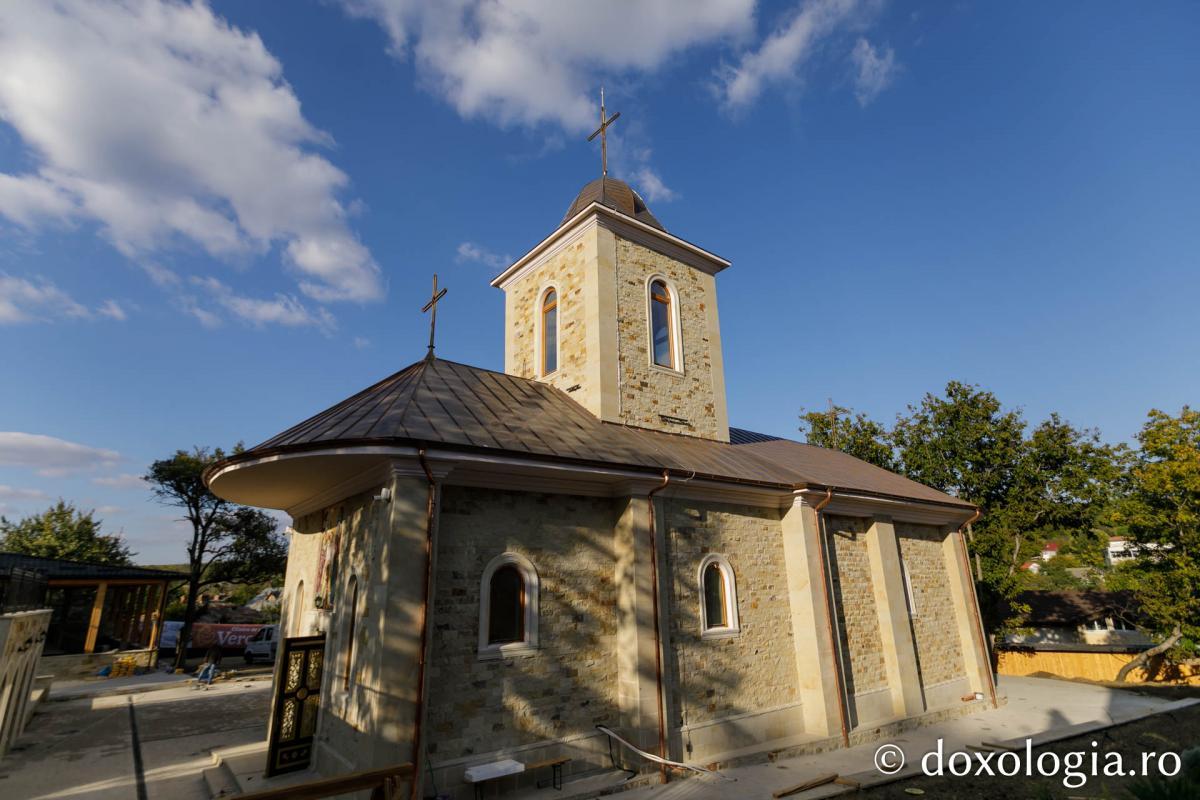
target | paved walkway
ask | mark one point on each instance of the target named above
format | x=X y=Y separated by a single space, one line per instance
x=86 y=748
x=1034 y=705
x=152 y=745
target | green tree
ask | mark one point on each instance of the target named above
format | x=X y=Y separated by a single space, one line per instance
x=1162 y=514
x=62 y=531
x=1050 y=485
x=856 y=434
x=229 y=543
x=965 y=444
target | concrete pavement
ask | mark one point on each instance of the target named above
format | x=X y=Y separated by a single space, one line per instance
x=1035 y=705
x=85 y=748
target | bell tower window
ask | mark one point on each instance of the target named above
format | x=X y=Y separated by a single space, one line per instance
x=662 y=325
x=549 y=331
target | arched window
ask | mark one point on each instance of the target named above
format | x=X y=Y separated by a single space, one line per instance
x=351 y=613
x=908 y=589
x=549 y=331
x=298 y=609
x=508 y=607
x=662 y=325
x=718 y=598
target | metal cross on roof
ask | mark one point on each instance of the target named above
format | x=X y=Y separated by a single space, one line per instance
x=431 y=307
x=602 y=132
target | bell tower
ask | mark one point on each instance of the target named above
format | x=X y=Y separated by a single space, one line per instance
x=620 y=314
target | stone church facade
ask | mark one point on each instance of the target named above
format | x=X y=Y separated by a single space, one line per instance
x=502 y=562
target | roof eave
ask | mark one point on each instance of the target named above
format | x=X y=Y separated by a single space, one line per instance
x=715 y=263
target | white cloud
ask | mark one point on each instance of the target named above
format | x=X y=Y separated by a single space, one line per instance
x=108 y=510
x=162 y=123
x=282 y=309
x=527 y=62
x=17 y=493
x=125 y=480
x=875 y=70
x=112 y=310
x=50 y=456
x=361 y=343
x=469 y=251
x=25 y=301
x=782 y=54
x=652 y=185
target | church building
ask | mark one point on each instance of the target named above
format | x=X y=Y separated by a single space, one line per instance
x=501 y=562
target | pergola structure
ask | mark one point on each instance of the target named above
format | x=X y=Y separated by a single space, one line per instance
x=98 y=607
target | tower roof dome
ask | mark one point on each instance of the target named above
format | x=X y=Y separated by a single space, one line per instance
x=616 y=195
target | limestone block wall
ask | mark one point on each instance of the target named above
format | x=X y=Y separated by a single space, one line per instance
x=296 y=606
x=935 y=630
x=698 y=394
x=566 y=270
x=570 y=684
x=753 y=672
x=854 y=598
x=352 y=709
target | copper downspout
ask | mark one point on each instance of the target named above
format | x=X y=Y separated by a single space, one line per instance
x=978 y=626
x=416 y=759
x=658 y=673
x=829 y=612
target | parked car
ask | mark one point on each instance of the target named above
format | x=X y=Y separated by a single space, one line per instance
x=262 y=645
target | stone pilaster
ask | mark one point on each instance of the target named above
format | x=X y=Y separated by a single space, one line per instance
x=965 y=611
x=891 y=604
x=815 y=659
x=637 y=684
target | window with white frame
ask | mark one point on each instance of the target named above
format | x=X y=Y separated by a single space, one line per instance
x=908 y=589
x=508 y=607
x=351 y=619
x=549 y=325
x=663 y=316
x=718 y=598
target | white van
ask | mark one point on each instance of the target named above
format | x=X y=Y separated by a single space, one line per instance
x=262 y=645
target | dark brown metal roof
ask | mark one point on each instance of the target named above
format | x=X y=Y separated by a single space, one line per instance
x=61 y=568
x=618 y=196
x=452 y=405
x=1074 y=607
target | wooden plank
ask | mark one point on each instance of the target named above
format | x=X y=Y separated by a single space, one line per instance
x=89 y=645
x=811 y=783
x=549 y=762
x=330 y=787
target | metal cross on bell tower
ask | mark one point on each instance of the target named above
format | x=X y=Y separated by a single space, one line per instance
x=431 y=307
x=602 y=132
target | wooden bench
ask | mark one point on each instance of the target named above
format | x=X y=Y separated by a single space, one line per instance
x=480 y=774
x=555 y=764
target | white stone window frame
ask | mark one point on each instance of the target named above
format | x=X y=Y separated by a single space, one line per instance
x=909 y=594
x=733 y=624
x=529 y=645
x=676 y=331
x=540 y=330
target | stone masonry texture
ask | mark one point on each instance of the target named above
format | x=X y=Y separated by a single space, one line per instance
x=646 y=390
x=857 y=618
x=939 y=650
x=565 y=270
x=570 y=684
x=756 y=669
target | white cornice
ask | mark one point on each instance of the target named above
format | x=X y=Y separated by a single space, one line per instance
x=626 y=226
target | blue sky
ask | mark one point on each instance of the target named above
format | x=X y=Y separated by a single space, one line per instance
x=218 y=220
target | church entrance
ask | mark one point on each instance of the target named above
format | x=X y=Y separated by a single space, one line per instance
x=295 y=705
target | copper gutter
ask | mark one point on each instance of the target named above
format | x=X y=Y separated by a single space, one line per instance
x=976 y=617
x=658 y=670
x=829 y=612
x=419 y=714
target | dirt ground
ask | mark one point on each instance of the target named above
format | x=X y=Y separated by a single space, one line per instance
x=1177 y=731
